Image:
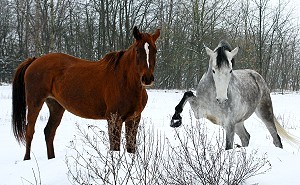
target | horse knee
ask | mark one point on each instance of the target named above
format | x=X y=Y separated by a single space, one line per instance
x=188 y=94
x=178 y=109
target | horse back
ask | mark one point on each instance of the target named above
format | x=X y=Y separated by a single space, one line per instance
x=248 y=78
x=250 y=86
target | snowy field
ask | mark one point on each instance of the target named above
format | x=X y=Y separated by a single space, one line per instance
x=13 y=170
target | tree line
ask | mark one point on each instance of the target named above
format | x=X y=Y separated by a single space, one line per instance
x=266 y=32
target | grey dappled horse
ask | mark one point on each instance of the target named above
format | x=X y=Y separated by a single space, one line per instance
x=228 y=97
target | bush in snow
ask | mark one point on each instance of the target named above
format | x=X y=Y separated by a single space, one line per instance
x=93 y=163
x=200 y=160
x=189 y=157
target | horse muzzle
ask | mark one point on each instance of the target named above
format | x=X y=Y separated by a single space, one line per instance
x=222 y=100
x=147 y=80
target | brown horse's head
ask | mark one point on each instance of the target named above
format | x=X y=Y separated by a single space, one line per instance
x=145 y=55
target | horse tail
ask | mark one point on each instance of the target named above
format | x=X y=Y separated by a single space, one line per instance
x=19 y=101
x=285 y=135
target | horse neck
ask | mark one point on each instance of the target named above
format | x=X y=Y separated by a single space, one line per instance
x=128 y=67
x=206 y=82
x=208 y=74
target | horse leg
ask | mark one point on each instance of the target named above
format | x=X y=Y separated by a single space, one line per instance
x=265 y=112
x=176 y=118
x=131 y=128
x=241 y=131
x=114 y=131
x=33 y=112
x=229 y=128
x=56 y=113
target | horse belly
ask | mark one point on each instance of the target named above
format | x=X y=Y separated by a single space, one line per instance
x=83 y=109
x=81 y=99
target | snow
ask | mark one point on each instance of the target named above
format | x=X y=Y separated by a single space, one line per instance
x=39 y=170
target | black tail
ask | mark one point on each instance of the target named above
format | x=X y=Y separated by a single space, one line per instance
x=19 y=101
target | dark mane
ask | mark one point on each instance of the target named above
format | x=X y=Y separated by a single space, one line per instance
x=221 y=57
x=112 y=59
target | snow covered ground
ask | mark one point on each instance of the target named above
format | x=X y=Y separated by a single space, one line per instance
x=13 y=170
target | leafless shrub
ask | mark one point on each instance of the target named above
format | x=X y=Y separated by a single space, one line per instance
x=149 y=156
x=93 y=162
x=198 y=160
x=36 y=175
x=94 y=165
x=192 y=158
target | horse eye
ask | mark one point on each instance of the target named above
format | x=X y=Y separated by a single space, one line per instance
x=213 y=71
x=231 y=71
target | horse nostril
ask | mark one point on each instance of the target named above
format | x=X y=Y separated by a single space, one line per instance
x=152 y=78
x=220 y=101
x=143 y=78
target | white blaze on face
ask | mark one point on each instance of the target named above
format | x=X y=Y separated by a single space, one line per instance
x=146 y=47
x=222 y=78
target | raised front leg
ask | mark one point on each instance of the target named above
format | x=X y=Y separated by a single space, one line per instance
x=176 y=118
x=114 y=131
x=131 y=128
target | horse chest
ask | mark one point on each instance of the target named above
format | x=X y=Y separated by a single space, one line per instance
x=129 y=105
x=216 y=113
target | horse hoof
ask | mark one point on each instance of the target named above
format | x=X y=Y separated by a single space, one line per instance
x=238 y=146
x=26 y=158
x=176 y=120
x=175 y=123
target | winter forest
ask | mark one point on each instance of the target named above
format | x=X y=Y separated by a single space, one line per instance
x=266 y=31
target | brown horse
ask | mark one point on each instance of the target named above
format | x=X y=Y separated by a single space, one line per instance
x=111 y=89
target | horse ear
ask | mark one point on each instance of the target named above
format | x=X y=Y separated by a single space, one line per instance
x=231 y=54
x=156 y=34
x=234 y=51
x=210 y=52
x=136 y=33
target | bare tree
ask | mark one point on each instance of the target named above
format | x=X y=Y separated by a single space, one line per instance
x=265 y=31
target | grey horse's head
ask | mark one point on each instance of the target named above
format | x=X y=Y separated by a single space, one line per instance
x=221 y=63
